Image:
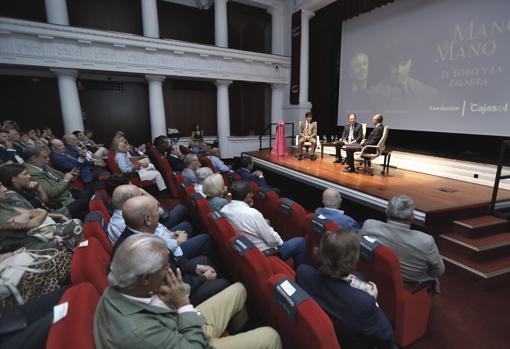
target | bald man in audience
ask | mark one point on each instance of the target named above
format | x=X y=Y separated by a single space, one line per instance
x=146 y=306
x=215 y=157
x=332 y=200
x=141 y=215
x=176 y=238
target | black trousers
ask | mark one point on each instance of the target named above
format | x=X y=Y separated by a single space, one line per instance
x=350 y=149
x=38 y=314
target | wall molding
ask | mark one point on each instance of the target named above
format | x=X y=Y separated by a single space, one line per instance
x=28 y=43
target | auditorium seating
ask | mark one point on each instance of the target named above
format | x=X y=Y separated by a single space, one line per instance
x=98 y=205
x=289 y=219
x=75 y=329
x=93 y=227
x=301 y=325
x=167 y=173
x=267 y=203
x=206 y=162
x=90 y=264
x=254 y=269
x=314 y=229
x=407 y=310
x=133 y=177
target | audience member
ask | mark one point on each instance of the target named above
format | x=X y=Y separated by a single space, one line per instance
x=202 y=173
x=14 y=138
x=251 y=223
x=146 y=306
x=215 y=158
x=141 y=215
x=418 y=254
x=175 y=159
x=192 y=164
x=7 y=151
x=65 y=162
x=349 y=301
x=331 y=199
x=143 y=167
x=215 y=191
x=25 y=193
x=245 y=172
x=176 y=233
x=55 y=183
x=96 y=151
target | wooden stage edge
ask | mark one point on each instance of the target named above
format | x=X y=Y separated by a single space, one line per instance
x=438 y=200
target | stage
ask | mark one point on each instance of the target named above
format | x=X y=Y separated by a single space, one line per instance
x=438 y=200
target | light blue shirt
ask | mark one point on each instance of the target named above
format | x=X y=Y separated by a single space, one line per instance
x=123 y=160
x=218 y=164
x=117 y=227
x=339 y=217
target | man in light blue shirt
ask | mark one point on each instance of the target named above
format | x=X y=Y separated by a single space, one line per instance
x=331 y=199
x=176 y=239
x=192 y=164
x=220 y=166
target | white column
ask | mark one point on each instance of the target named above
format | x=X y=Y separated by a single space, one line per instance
x=220 y=23
x=156 y=105
x=277 y=30
x=69 y=99
x=223 y=116
x=150 y=18
x=303 y=63
x=56 y=12
x=277 y=102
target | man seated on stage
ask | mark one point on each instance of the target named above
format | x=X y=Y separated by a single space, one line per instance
x=418 y=254
x=331 y=199
x=307 y=133
x=372 y=139
x=352 y=134
x=252 y=224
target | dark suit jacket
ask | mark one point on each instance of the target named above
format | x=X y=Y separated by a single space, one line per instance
x=176 y=164
x=20 y=148
x=75 y=153
x=6 y=155
x=188 y=266
x=358 y=322
x=65 y=163
x=375 y=135
x=357 y=133
x=245 y=174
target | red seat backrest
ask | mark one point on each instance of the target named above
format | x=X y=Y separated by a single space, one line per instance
x=409 y=313
x=206 y=162
x=168 y=175
x=203 y=210
x=93 y=229
x=90 y=264
x=112 y=164
x=290 y=219
x=313 y=237
x=311 y=328
x=75 y=330
x=98 y=205
x=269 y=206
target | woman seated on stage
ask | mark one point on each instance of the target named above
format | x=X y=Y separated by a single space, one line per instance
x=349 y=301
x=143 y=166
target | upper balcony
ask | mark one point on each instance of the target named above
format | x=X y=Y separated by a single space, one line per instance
x=27 y=43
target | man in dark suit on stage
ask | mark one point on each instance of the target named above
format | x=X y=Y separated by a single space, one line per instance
x=352 y=134
x=372 y=139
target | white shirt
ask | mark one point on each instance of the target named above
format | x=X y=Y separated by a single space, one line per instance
x=117 y=226
x=157 y=302
x=251 y=223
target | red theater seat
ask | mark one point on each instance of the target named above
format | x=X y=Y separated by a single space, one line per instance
x=314 y=228
x=290 y=219
x=133 y=177
x=98 y=205
x=408 y=312
x=90 y=264
x=93 y=229
x=75 y=329
x=267 y=203
x=309 y=328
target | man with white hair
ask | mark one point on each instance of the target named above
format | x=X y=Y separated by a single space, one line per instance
x=146 y=306
x=202 y=173
x=141 y=215
x=331 y=199
x=419 y=257
x=192 y=164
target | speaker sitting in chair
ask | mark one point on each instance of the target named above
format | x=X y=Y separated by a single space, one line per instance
x=307 y=135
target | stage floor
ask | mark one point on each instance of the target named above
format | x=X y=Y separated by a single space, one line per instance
x=436 y=198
